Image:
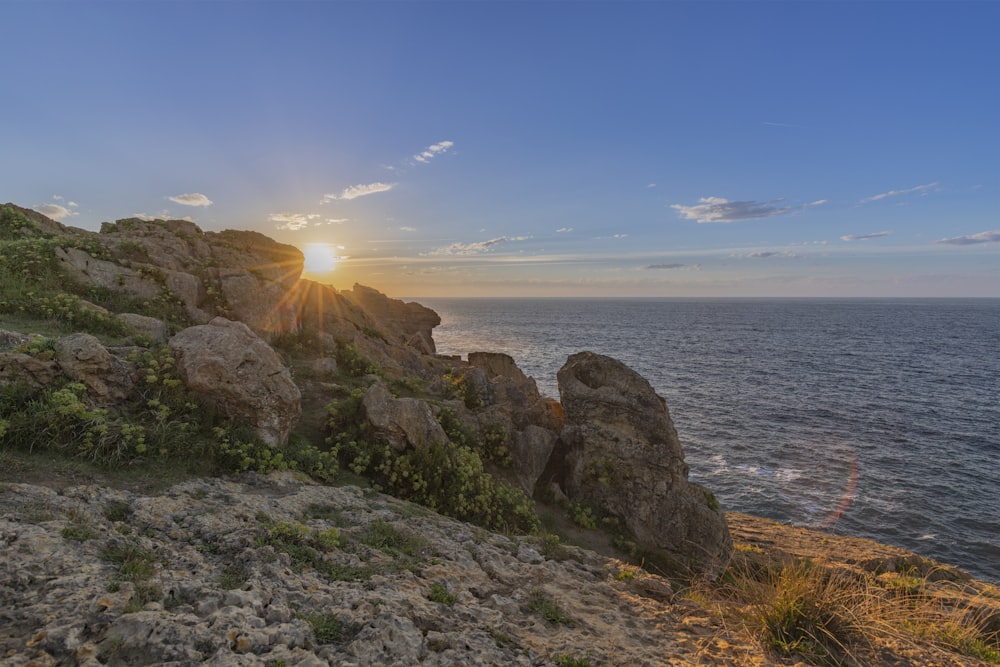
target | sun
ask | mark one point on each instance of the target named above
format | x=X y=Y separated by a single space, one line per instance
x=319 y=258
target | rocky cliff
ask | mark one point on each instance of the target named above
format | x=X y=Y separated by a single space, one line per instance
x=155 y=346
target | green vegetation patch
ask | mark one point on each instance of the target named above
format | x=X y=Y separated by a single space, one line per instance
x=439 y=593
x=448 y=478
x=539 y=602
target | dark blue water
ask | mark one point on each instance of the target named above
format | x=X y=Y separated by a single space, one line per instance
x=878 y=418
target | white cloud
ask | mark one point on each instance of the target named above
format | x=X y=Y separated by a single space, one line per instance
x=407 y=229
x=292 y=221
x=719 y=209
x=992 y=236
x=564 y=230
x=163 y=215
x=475 y=248
x=922 y=189
x=191 y=199
x=619 y=236
x=55 y=211
x=864 y=237
x=335 y=221
x=767 y=254
x=433 y=151
x=360 y=190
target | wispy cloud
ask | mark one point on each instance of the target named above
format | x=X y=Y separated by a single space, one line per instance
x=191 y=199
x=864 y=237
x=292 y=221
x=653 y=267
x=922 y=189
x=433 y=151
x=407 y=229
x=619 y=236
x=162 y=215
x=476 y=248
x=57 y=211
x=564 y=230
x=992 y=236
x=719 y=209
x=767 y=254
x=360 y=190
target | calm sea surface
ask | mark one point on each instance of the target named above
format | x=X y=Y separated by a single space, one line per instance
x=876 y=417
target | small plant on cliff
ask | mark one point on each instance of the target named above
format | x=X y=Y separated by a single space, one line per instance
x=540 y=603
x=465 y=390
x=440 y=593
x=327 y=628
x=350 y=359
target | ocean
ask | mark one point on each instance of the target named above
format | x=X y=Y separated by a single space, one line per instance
x=877 y=418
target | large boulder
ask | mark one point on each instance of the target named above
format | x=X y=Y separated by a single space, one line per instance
x=405 y=423
x=623 y=457
x=228 y=365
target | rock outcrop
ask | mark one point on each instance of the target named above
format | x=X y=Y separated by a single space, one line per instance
x=228 y=365
x=243 y=275
x=623 y=457
x=413 y=322
x=404 y=423
x=82 y=358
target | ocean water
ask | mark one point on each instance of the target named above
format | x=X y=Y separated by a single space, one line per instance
x=871 y=417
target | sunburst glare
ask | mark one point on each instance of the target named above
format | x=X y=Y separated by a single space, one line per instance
x=320 y=258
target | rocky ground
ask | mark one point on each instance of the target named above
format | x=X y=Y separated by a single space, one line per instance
x=280 y=571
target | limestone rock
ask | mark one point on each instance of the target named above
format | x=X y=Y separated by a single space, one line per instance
x=411 y=321
x=623 y=456
x=514 y=392
x=20 y=367
x=81 y=357
x=152 y=328
x=226 y=363
x=405 y=423
x=530 y=451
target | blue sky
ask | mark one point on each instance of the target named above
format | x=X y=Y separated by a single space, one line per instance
x=530 y=148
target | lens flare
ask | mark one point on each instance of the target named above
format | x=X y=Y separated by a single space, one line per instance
x=319 y=258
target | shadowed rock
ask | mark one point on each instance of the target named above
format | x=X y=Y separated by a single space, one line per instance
x=623 y=457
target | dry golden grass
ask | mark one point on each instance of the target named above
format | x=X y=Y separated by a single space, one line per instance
x=832 y=614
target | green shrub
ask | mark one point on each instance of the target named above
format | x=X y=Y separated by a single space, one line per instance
x=448 y=479
x=391 y=540
x=352 y=362
x=327 y=628
x=440 y=593
x=135 y=564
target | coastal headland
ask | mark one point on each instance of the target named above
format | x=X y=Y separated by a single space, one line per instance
x=205 y=459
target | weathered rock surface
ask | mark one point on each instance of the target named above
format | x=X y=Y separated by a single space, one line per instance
x=623 y=456
x=82 y=358
x=404 y=423
x=227 y=364
x=413 y=322
x=221 y=590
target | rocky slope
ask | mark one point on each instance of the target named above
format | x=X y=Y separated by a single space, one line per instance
x=277 y=570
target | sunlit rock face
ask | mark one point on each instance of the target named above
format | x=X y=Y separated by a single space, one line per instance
x=623 y=456
x=241 y=275
x=225 y=363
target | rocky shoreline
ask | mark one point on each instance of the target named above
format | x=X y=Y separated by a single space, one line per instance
x=205 y=358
